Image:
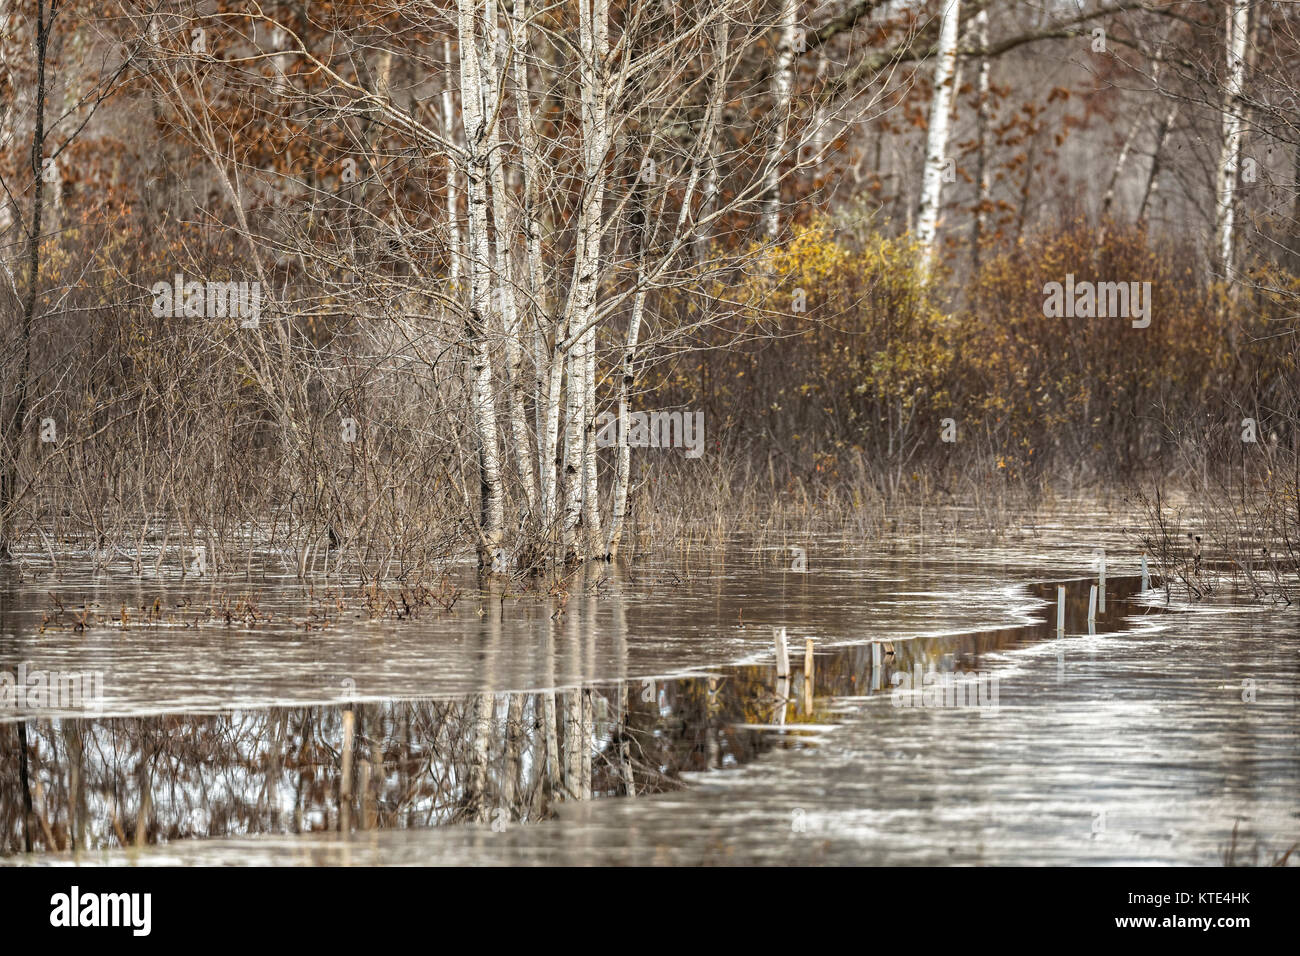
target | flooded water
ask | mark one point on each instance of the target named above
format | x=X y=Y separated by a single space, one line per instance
x=638 y=717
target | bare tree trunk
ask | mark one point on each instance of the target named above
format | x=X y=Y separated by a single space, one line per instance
x=590 y=486
x=1230 y=155
x=713 y=143
x=1162 y=134
x=479 y=265
x=1116 y=171
x=453 y=195
x=582 y=498
x=618 y=509
x=983 y=110
x=1293 y=256
x=927 y=219
x=549 y=453
x=505 y=283
x=709 y=190
x=536 y=303
x=574 y=414
x=16 y=424
x=783 y=80
x=595 y=46
x=551 y=329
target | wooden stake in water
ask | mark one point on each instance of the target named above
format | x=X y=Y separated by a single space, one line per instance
x=782 y=656
x=1092 y=605
x=808 y=676
x=1146 y=578
x=782 y=676
x=1101 y=580
x=1060 y=609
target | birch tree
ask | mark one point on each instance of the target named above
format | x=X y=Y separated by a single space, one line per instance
x=1230 y=153
x=447 y=102
x=497 y=243
x=783 y=85
x=515 y=340
x=936 y=148
x=477 y=128
x=983 y=110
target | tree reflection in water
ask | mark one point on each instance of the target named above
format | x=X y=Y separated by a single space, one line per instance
x=491 y=758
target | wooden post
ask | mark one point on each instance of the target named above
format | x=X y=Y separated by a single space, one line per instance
x=808 y=676
x=877 y=666
x=1092 y=605
x=782 y=656
x=1146 y=578
x=1060 y=609
x=1101 y=580
x=782 y=675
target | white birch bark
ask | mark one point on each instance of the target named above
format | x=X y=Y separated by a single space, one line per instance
x=548 y=354
x=575 y=398
x=505 y=282
x=618 y=508
x=594 y=93
x=1230 y=155
x=927 y=219
x=983 y=112
x=453 y=195
x=534 y=302
x=582 y=496
x=479 y=269
x=548 y=453
x=709 y=190
x=590 y=487
x=782 y=94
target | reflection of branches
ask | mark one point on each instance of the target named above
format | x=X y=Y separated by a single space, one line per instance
x=482 y=758
x=125 y=781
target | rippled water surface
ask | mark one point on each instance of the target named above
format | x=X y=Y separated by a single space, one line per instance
x=317 y=728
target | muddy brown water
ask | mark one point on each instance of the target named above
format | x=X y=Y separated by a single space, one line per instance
x=425 y=740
